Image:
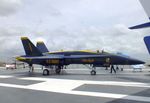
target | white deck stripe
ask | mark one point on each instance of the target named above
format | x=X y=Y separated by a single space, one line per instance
x=115 y=83
x=5 y=76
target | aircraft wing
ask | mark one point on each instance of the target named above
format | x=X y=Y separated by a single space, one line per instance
x=145 y=25
x=65 y=57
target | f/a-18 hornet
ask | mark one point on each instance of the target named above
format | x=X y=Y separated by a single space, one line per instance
x=58 y=60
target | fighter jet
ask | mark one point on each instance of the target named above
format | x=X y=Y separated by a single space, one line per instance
x=58 y=60
x=146 y=6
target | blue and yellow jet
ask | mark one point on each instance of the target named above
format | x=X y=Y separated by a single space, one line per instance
x=58 y=60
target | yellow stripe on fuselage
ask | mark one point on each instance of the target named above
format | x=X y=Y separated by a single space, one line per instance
x=88 y=60
x=52 y=61
x=85 y=51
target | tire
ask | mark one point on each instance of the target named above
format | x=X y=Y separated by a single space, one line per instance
x=93 y=72
x=58 y=71
x=45 y=72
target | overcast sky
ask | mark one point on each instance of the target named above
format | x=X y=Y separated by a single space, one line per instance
x=73 y=25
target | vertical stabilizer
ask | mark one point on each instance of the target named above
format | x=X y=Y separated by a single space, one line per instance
x=147 y=42
x=42 y=47
x=30 y=48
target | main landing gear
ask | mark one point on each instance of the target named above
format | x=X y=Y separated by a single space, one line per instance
x=31 y=68
x=57 y=70
x=93 y=71
x=45 y=72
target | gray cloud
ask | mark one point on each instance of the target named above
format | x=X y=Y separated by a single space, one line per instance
x=116 y=39
x=8 y=7
x=73 y=25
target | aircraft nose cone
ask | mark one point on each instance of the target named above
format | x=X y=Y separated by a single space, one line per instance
x=138 y=62
x=141 y=62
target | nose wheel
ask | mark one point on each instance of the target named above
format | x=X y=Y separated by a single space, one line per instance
x=92 y=68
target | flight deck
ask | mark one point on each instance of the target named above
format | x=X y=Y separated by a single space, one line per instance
x=74 y=85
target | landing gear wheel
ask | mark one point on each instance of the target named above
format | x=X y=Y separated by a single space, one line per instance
x=45 y=72
x=93 y=72
x=58 y=71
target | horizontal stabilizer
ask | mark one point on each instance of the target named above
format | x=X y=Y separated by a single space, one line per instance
x=147 y=42
x=145 y=25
